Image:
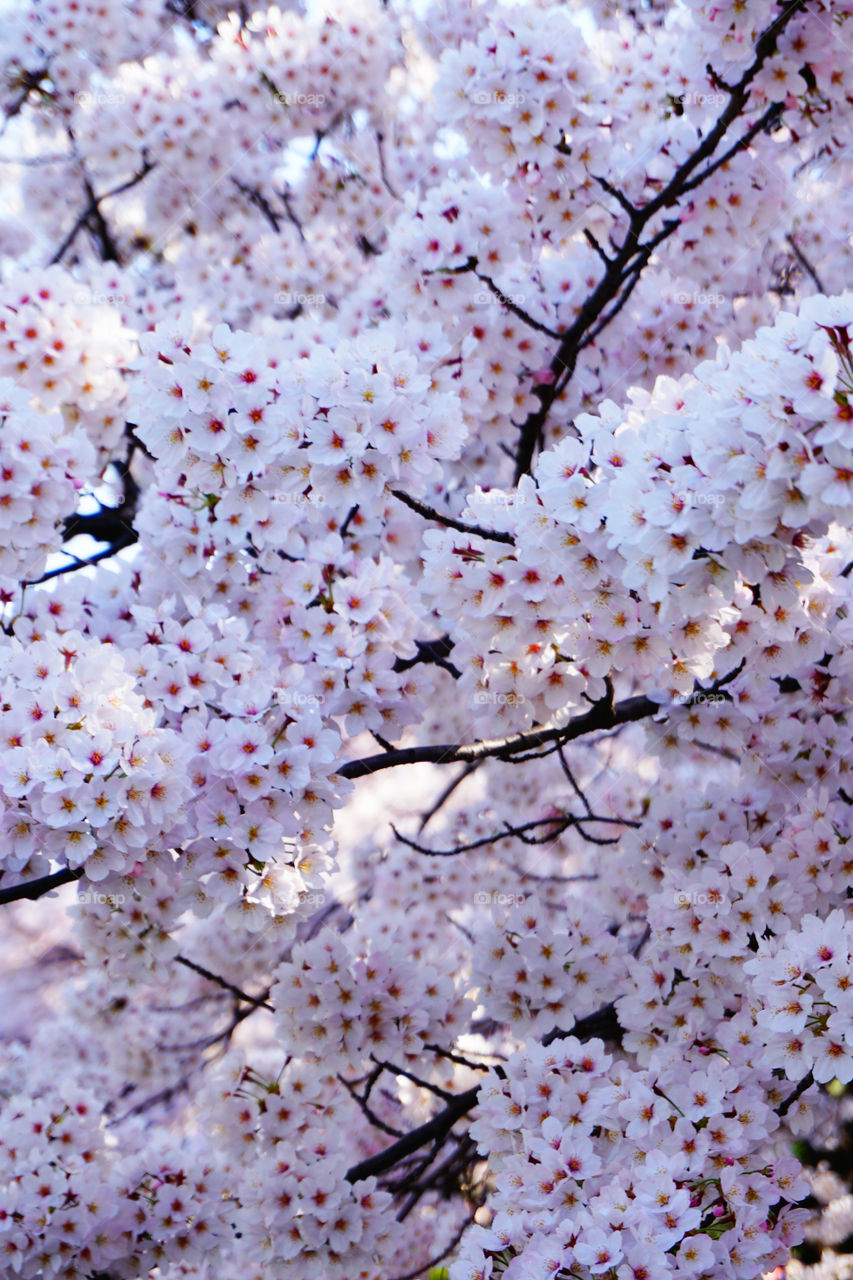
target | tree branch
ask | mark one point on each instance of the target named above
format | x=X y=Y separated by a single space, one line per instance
x=436 y=1128
x=805 y=264
x=620 y=269
x=511 y=306
x=258 y=199
x=602 y=716
x=39 y=888
x=92 y=212
x=431 y=651
x=447 y=793
x=806 y=1083
x=259 y=1002
x=602 y=1023
x=430 y=513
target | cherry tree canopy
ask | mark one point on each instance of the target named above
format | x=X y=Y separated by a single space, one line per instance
x=426 y=536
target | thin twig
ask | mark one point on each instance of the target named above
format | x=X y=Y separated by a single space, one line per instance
x=108 y=246
x=507 y=302
x=39 y=888
x=602 y=716
x=804 y=263
x=430 y=513
x=806 y=1083
x=259 y=1002
x=447 y=793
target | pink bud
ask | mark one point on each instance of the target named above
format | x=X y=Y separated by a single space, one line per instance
x=543 y=377
x=719 y=1211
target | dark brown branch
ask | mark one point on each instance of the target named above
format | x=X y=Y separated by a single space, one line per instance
x=435 y=1129
x=433 y=1262
x=291 y=216
x=519 y=832
x=593 y=243
x=113 y=525
x=92 y=214
x=429 y=513
x=350 y=516
x=572 y=781
x=618 y=196
x=27 y=82
x=806 y=1083
x=258 y=1002
x=110 y=524
x=602 y=716
x=631 y=280
x=516 y=310
x=443 y=1178
x=578 y=825
x=433 y=651
x=256 y=197
x=602 y=1023
x=447 y=793
x=458 y=1059
x=620 y=267
x=409 y=1075
x=39 y=888
x=380 y=146
x=75 y=564
x=805 y=264
x=365 y=1107
x=762 y=125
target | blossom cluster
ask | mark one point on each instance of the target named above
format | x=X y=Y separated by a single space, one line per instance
x=425 y=820
x=93 y=775
x=801 y=986
x=279 y=75
x=643 y=547
x=541 y=973
x=43 y=465
x=340 y=1007
x=64 y=342
x=703 y=1191
x=74 y=1203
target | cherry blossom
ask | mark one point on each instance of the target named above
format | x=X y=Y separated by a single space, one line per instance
x=426 y=487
